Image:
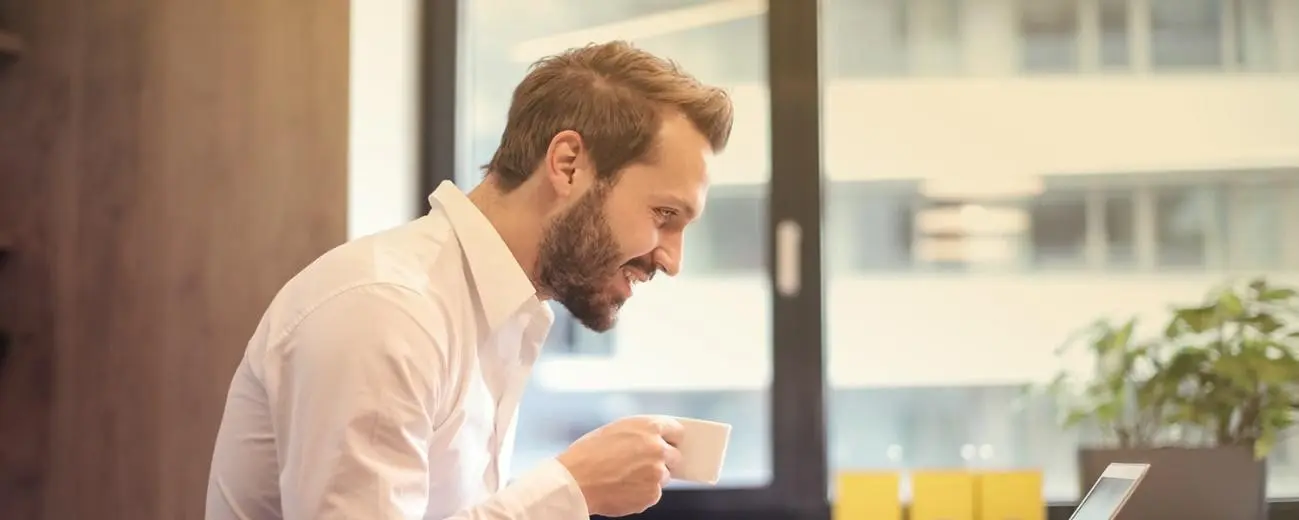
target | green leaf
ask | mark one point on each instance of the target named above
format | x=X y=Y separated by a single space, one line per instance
x=1229 y=306
x=1277 y=295
x=1258 y=285
x=1272 y=422
x=1074 y=418
x=1264 y=323
x=1198 y=319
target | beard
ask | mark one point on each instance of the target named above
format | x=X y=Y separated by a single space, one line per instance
x=578 y=261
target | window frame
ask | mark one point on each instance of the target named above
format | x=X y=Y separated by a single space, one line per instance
x=800 y=482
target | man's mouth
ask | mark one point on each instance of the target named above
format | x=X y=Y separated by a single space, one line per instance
x=636 y=276
x=631 y=277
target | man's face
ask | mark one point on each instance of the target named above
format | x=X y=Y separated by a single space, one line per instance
x=616 y=234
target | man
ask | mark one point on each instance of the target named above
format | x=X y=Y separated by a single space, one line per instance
x=383 y=381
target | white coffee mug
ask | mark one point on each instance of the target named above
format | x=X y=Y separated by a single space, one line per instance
x=703 y=450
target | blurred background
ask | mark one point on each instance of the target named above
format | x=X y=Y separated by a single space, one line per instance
x=984 y=178
x=1114 y=157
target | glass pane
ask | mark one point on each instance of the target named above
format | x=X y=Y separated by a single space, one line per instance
x=1183 y=220
x=1049 y=30
x=1060 y=229
x=1255 y=227
x=884 y=38
x=876 y=224
x=1186 y=33
x=1255 y=40
x=941 y=305
x=1115 y=48
x=1120 y=229
x=878 y=29
x=934 y=36
x=670 y=352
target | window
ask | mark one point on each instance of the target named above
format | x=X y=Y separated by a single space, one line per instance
x=1115 y=42
x=568 y=336
x=923 y=367
x=891 y=38
x=670 y=354
x=1186 y=34
x=1184 y=225
x=1198 y=222
x=1255 y=39
x=893 y=407
x=1120 y=229
x=934 y=36
x=1256 y=226
x=730 y=238
x=1049 y=29
x=1059 y=234
x=878 y=30
x=878 y=220
x=1183 y=35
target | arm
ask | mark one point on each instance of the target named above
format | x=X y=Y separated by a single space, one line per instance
x=360 y=376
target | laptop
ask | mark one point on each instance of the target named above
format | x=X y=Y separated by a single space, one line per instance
x=1110 y=492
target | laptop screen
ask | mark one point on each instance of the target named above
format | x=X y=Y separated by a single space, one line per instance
x=1104 y=499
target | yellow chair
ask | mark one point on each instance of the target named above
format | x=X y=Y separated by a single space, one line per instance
x=942 y=495
x=865 y=495
x=1010 y=495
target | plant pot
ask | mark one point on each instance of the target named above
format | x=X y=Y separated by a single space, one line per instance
x=1187 y=483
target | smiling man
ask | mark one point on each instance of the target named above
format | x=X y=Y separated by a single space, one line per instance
x=384 y=379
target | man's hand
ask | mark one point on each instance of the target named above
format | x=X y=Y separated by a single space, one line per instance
x=622 y=466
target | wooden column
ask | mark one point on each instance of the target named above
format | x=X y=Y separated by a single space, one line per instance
x=164 y=168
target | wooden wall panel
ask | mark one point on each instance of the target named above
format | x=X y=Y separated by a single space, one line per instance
x=35 y=132
x=176 y=162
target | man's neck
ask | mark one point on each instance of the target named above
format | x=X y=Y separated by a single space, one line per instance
x=517 y=219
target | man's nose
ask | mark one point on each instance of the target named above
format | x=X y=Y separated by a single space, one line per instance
x=668 y=254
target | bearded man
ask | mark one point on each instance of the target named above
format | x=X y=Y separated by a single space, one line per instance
x=383 y=380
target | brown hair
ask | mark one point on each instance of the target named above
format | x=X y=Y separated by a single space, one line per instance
x=612 y=94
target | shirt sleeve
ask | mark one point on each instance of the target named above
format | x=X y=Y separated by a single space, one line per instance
x=360 y=377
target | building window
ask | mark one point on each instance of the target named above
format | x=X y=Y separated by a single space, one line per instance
x=1120 y=229
x=1180 y=221
x=730 y=237
x=1059 y=233
x=934 y=40
x=878 y=32
x=569 y=336
x=1184 y=216
x=1255 y=225
x=1186 y=34
x=1254 y=44
x=1049 y=35
x=877 y=219
x=1115 y=45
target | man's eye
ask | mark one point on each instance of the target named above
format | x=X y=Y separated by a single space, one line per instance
x=664 y=213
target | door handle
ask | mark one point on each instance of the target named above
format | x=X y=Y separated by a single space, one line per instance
x=789 y=271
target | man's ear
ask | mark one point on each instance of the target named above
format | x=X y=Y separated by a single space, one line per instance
x=564 y=159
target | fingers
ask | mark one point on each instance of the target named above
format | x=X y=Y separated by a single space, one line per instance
x=670 y=429
x=671 y=456
x=654 y=498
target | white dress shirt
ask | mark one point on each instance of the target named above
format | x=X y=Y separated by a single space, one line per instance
x=383 y=383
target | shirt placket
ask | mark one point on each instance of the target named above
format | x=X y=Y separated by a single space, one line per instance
x=517 y=368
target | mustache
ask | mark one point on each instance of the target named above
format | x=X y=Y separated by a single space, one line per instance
x=644 y=265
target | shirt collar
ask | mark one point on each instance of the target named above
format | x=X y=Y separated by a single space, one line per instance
x=502 y=285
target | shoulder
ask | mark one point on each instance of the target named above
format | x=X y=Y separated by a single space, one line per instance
x=373 y=335
x=401 y=275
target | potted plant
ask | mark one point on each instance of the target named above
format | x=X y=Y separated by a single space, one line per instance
x=1204 y=402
